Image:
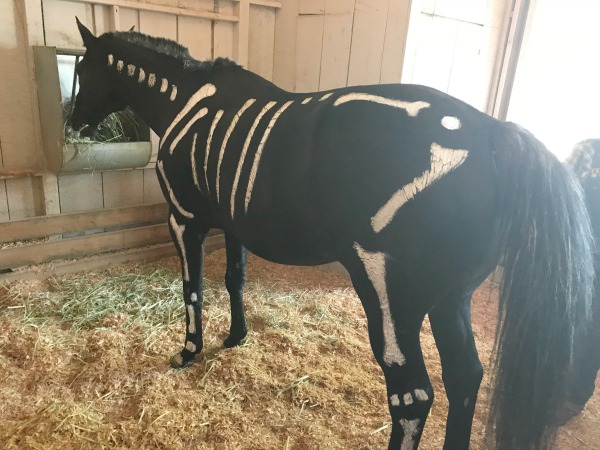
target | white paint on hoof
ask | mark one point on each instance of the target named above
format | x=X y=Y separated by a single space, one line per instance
x=173 y=95
x=190 y=346
x=259 y=151
x=141 y=76
x=164 y=85
x=178 y=359
x=120 y=65
x=130 y=70
x=192 y=316
x=151 y=80
x=199 y=115
x=238 y=172
x=326 y=96
x=374 y=264
x=228 y=133
x=178 y=230
x=205 y=91
x=411 y=431
x=213 y=126
x=411 y=108
x=394 y=400
x=194 y=297
x=111 y=60
x=451 y=123
x=421 y=395
x=408 y=399
x=443 y=161
x=174 y=200
x=306 y=100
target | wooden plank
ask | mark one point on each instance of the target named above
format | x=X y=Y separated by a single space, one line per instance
x=3 y=202
x=59 y=22
x=152 y=191
x=368 y=36
x=123 y=188
x=160 y=9
x=241 y=32
x=128 y=18
x=196 y=35
x=20 y=195
x=78 y=247
x=158 y=24
x=309 y=44
x=284 y=51
x=310 y=7
x=43 y=226
x=99 y=262
x=223 y=39
x=35 y=22
x=80 y=192
x=396 y=32
x=261 y=41
x=102 y=19
x=337 y=39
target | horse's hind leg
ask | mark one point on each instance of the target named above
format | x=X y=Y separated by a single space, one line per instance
x=394 y=325
x=461 y=369
x=189 y=237
x=235 y=279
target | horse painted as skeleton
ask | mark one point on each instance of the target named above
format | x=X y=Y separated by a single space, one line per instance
x=417 y=194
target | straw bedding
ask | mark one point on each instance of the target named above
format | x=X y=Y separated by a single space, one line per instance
x=84 y=364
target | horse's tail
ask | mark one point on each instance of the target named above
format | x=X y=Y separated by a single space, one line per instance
x=545 y=294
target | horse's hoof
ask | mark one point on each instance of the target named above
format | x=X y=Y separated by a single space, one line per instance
x=177 y=361
x=234 y=341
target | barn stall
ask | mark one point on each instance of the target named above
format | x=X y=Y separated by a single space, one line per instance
x=85 y=348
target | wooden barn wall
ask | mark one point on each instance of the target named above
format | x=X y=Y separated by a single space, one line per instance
x=324 y=44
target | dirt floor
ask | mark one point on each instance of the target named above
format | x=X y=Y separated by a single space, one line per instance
x=84 y=364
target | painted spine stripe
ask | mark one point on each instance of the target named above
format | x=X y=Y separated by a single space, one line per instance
x=306 y=100
x=199 y=115
x=443 y=161
x=374 y=264
x=111 y=60
x=130 y=70
x=193 y=162
x=326 y=96
x=174 y=200
x=213 y=126
x=205 y=91
x=141 y=76
x=412 y=108
x=238 y=172
x=259 y=151
x=164 y=85
x=228 y=133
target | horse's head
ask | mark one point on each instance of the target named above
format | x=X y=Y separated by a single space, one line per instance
x=97 y=96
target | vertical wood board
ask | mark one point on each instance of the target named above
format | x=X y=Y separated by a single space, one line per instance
x=261 y=41
x=396 y=32
x=196 y=35
x=20 y=196
x=59 y=22
x=129 y=18
x=309 y=44
x=123 y=188
x=335 y=57
x=223 y=33
x=311 y=7
x=284 y=51
x=4 y=215
x=80 y=192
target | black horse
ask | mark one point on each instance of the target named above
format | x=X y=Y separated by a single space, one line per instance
x=416 y=193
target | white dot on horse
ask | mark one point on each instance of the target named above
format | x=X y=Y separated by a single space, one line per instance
x=451 y=123
x=111 y=60
x=130 y=70
x=421 y=395
x=394 y=400
x=120 y=65
x=408 y=399
x=141 y=76
x=173 y=95
x=151 y=80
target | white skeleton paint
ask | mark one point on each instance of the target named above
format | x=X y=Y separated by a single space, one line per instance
x=164 y=85
x=451 y=123
x=151 y=80
x=205 y=91
x=213 y=126
x=411 y=429
x=190 y=346
x=326 y=96
x=238 y=172
x=199 y=115
x=306 y=100
x=174 y=200
x=443 y=161
x=193 y=162
x=141 y=76
x=173 y=95
x=192 y=316
x=374 y=264
x=194 y=297
x=120 y=65
x=412 y=108
x=130 y=70
x=408 y=399
x=394 y=400
x=111 y=60
x=179 y=230
x=421 y=395
x=259 y=151
x=228 y=133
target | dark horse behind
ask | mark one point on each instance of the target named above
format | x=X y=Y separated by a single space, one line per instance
x=417 y=194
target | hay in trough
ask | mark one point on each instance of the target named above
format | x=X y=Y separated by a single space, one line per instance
x=85 y=364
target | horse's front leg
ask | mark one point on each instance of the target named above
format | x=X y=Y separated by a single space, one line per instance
x=188 y=237
x=235 y=280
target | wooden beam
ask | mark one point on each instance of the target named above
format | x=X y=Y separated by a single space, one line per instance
x=38 y=227
x=99 y=262
x=241 y=33
x=11 y=258
x=267 y=3
x=162 y=9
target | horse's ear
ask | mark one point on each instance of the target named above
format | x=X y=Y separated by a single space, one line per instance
x=86 y=35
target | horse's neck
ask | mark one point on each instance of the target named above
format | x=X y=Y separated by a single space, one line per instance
x=155 y=90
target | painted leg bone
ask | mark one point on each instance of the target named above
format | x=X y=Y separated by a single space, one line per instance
x=235 y=280
x=189 y=241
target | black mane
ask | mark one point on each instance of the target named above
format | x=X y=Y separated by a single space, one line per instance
x=168 y=47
